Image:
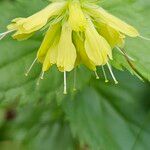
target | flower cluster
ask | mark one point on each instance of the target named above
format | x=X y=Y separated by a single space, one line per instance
x=78 y=32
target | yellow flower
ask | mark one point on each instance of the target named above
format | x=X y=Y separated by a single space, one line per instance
x=78 y=32
x=26 y=26
x=77 y=18
x=112 y=36
x=66 y=50
x=51 y=55
x=52 y=32
x=83 y=58
x=97 y=48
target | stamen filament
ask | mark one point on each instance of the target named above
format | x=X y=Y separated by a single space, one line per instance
x=118 y=48
x=74 y=81
x=2 y=35
x=96 y=74
x=65 y=83
x=145 y=38
x=28 y=71
x=111 y=72
x=105 y=76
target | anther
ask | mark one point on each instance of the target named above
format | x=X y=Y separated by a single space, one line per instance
x=96 y=74
x=111 y=72
x=65 y=82
x=105 y=76
x=28 y=71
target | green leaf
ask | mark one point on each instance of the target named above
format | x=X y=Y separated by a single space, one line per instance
x=107 y=117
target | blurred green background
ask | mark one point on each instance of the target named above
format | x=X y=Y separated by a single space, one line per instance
x=98 y=116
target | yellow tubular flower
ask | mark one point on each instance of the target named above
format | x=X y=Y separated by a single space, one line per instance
x=54 y=50
x=97 y=48
x=51 y=56
x=100 y=15
x=113 y=37
x=77 y=19
x=36 y=21
x=66 y=50
x=79 y=43
x=52 y=32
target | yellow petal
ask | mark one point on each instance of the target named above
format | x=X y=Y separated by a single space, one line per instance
x=97 y=48
x=46 y=63
x=77 y=19
x=16 y=19
x=54 y=51
x=66 y=50
x=113 y=37
x=19 y=36
x=17 y=25
x=51 y=56
x=14 y=25
x=79 y=43
x=48 y=40
x=103 y=16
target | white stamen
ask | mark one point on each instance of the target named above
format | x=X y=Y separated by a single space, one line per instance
x=105 y=76
x=145 y=38
x=118 y=48
x=74 y=81
x=65 y=83
x=109 y=67
x=28 y=71
x=96 y=74
x=42 y=75
x=2 y=35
